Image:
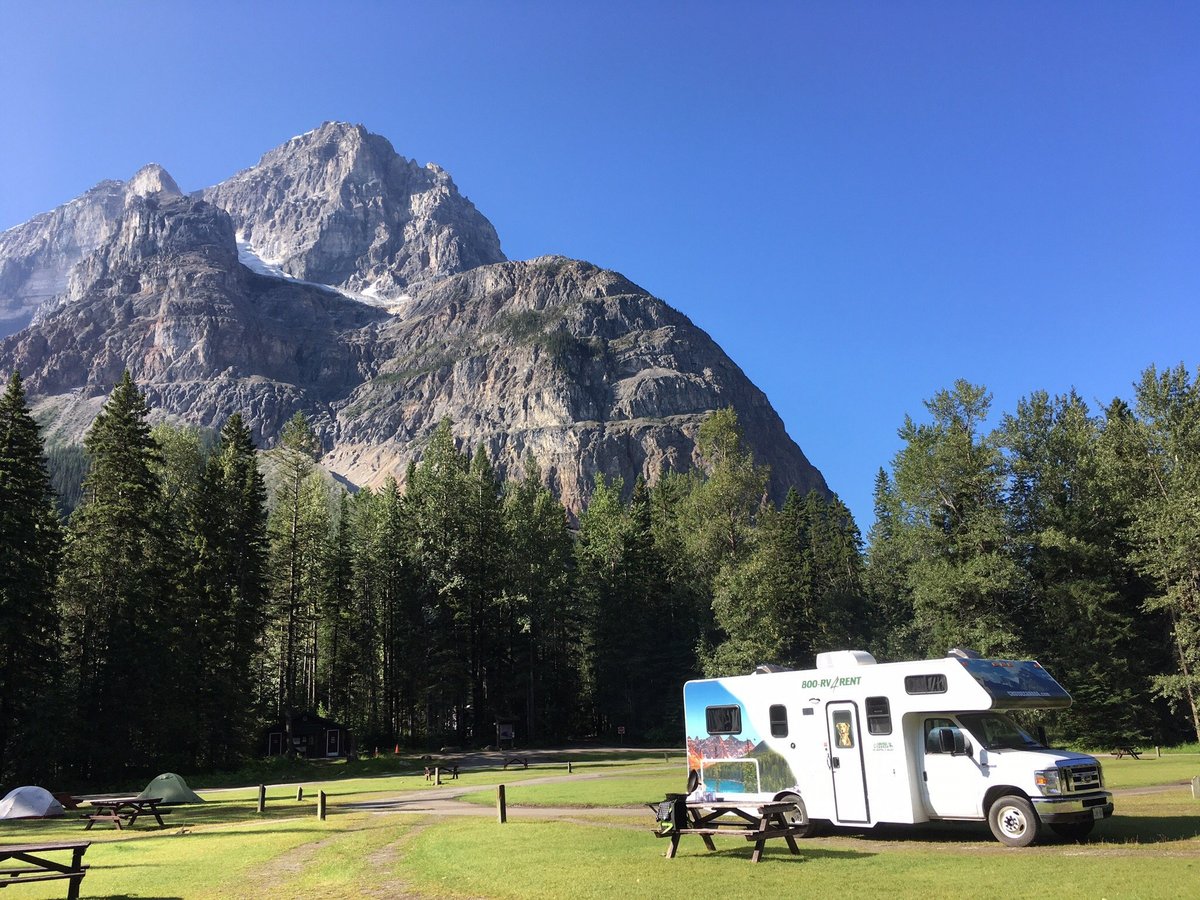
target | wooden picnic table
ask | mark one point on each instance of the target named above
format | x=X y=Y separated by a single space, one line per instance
x=124 y=809
x=36 y=867
x=758 y=822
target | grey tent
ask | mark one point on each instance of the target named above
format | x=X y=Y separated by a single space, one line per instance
x=29 y=802
x=171 y=789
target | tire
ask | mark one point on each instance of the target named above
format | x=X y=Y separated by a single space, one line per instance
x=1074 y=831
x=812 y=827
x=1013 y=821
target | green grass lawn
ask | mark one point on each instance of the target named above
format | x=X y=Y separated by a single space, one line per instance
x=1127 y=773
x=615 y=790
x=224 y=848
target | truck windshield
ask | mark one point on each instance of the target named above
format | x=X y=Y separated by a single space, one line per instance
x=997 y=732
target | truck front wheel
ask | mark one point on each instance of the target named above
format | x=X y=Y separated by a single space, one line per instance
x=1013 y=821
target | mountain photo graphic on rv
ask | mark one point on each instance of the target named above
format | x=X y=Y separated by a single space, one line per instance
x=859 y=743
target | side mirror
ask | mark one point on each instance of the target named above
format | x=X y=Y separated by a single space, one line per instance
x=953 y=741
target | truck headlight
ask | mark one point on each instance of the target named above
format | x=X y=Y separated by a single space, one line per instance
x=1047 y=781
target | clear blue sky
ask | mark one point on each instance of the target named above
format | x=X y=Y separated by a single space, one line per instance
x=861 y=202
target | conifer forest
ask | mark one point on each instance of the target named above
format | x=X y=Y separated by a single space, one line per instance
x=167 y=592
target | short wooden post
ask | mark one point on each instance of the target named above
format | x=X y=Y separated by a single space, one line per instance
x=1196 y=788
x=321 y=805
x=568 y=767
x=501 y=805
x=665 y=758
x=1158 y=752
x=262 y=798
x=437 y=774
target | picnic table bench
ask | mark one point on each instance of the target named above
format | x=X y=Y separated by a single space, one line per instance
x=1126 y=750
x=124 y=809
x=758 y=822
x=38 y=868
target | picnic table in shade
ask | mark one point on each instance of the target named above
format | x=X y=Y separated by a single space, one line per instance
x=124 y=809
x=35 y=866
x=758 y=822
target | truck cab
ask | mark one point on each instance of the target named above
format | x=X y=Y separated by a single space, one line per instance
x=982 y=765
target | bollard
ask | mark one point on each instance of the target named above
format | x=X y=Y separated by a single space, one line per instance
x=1196 y=788
x=665 y=758
x=1157 y=752
x=568 y=767
x=501 y=806
x=321 y=805
x=437 y=775
x=299 y=793
x=262 y=798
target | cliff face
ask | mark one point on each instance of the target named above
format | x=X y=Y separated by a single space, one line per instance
x=339 y=206
x=36 y=258
x=554 y=358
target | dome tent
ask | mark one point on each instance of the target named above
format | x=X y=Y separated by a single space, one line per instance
x=171 y=789
x=30 y=802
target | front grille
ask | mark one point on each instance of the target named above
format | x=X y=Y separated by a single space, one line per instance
x=1082 y=778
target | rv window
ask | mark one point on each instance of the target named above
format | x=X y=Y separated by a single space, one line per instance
x=723 y=719
x=779 y=725
x=925 y=684
x=843 y=730
x=879 y=716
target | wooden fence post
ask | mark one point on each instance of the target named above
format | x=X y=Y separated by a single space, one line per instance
x=501 y=806
x=437 y=775
x=568 y=767
x=321 y=805
x=262 y=798
x=299 y=793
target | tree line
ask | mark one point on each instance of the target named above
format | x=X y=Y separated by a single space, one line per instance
x=199 y=589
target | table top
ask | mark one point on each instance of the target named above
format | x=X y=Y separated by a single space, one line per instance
x=124 y=801
x=38 y=848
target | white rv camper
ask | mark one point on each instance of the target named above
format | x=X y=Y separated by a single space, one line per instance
x=858 y=743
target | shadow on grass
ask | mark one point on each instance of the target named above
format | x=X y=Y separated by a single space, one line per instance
x=778 y=854
x=1145 y=829
x=1116 y=830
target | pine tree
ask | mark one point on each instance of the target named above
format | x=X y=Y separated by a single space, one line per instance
x=1164 y=464
x=113 y=590
x=29 y=549
x=949 y=480
x=1068 y=520
x=542 y=612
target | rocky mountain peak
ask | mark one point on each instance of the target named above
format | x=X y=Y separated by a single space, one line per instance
x=337 y=205
x=152 y=180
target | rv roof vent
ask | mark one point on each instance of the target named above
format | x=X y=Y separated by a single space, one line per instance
x=838 y=659
x=768 y=668
x=963 y=653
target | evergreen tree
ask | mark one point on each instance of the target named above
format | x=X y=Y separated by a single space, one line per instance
x=29 y=549
x=1067 y=521
x=228 y=573
x=299 y=528
x=949 y=481
x=889 y=599
x=113 y=590
x=543 y=617
x=1165 y=532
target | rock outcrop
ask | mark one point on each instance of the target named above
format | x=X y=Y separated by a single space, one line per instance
x=554 y=358
x=339 y=206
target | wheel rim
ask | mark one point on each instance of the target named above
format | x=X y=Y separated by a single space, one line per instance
x=1012 y=822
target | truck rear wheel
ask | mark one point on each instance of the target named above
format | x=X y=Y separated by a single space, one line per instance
x=1074 y=831
x=809 y=828
x=1013 y=821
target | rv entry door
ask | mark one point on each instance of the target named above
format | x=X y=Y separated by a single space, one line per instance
x=846 y=762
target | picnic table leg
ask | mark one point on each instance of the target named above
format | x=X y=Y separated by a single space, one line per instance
x=674 y=845
x=695 y=818
x=791 y=841
x=763 y=824
x=73 y=889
